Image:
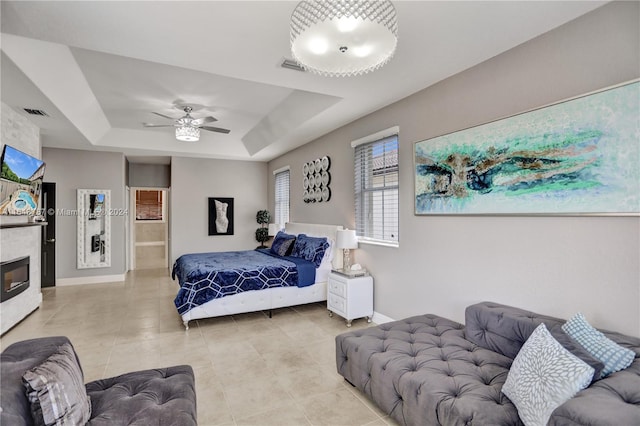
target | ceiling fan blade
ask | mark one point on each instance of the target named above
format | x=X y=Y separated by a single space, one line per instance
x=203 y=120
x=163 y=116
x=215 y=129
x=157 y=125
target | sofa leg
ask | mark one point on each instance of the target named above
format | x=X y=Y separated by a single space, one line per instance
x=186 y=325
x=270 y=316
x=349 y=383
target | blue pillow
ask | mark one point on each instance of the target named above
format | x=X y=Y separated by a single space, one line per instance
x=613 y=356
x=310 y=248
x=282 y=244
x=576 y=349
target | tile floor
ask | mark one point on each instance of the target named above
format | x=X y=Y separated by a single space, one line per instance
x=250 y=370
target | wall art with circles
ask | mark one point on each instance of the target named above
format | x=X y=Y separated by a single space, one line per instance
x=316 y=179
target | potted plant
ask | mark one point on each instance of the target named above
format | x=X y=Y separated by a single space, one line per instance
x=262 y=233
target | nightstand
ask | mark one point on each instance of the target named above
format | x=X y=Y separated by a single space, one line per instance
x=349 y=296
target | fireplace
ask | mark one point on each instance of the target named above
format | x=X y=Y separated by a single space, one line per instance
x=15 y=277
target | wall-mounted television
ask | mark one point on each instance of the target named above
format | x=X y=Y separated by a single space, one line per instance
x=20 y=182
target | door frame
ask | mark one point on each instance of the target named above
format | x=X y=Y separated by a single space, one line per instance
x=132 y=222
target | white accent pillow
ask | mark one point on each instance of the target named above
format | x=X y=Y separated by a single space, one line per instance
x=543 y=376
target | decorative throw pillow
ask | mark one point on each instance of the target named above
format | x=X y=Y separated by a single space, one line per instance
x=310 y=248
x=543 y=376
x=56 y=390
x=282 y=244
x=613 y=356
x=575 y=348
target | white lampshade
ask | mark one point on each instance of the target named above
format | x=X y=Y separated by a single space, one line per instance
x=274 y=228
x=346 y=239
x=187 y=133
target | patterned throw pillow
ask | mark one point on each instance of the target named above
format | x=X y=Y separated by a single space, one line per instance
x=575 y=348
x=613 y=356
x=543 y=376
x=310 y=248
x=56 y=390
x=282 y=244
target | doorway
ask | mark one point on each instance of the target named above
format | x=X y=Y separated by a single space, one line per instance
x=48 y=246
x=149 y=228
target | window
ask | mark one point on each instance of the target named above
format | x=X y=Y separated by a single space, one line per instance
x=377 y=186
x=149 y=205
x=281 y=215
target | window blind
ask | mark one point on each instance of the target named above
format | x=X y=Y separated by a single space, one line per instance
x=281 y=215
x=376 y=190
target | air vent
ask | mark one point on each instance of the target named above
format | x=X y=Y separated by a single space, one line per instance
x=36 y=112
x=292 y=65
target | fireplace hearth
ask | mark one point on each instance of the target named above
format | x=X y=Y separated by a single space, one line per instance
x=14 y=275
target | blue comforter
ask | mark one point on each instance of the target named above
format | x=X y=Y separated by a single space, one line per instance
x=207 y=276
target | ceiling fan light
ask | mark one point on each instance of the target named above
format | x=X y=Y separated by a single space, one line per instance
x=361 y=36
x=187 y=133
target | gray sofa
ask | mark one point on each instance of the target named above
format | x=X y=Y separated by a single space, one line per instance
x=151 y=397
x=428 y=370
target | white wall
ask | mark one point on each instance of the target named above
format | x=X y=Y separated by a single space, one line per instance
x=21 y=134
x=551 y=265
x=193 y=181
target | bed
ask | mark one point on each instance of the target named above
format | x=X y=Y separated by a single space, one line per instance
x=213 y=284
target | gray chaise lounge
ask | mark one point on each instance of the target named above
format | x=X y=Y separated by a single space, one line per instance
x=428 y=370
x=163 y=396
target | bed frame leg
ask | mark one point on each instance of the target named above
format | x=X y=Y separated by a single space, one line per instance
x=186 y=325
x=270 y=316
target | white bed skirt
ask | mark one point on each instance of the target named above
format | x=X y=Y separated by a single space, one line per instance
x=259 y=300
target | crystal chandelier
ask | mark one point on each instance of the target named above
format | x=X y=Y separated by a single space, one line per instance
x=187 y=133
x=340 y=38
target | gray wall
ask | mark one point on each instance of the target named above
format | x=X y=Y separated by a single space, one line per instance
x=149 y=175
x=552 y=265
x=193 y=181
x=75 y=169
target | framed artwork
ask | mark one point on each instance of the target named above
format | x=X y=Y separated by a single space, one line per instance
x=316 y=179
x=575 y=157
x=220 y=216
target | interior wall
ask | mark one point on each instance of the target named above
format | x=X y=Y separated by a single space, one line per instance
x=551 y=265
x=193 y=181
x=149 y=175
x=77 y=169
x=20 y=133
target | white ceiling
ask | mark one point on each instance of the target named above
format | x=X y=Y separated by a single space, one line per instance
x=99 y=68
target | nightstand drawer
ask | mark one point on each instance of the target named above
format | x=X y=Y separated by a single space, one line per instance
x=337 y=304
x=337 y=287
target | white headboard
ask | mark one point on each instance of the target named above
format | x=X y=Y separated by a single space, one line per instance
x=318 y=230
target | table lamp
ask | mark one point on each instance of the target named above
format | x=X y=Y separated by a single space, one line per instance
x=346 y=240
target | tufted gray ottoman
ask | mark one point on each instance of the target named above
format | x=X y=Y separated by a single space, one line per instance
x=163 y=396
x=422 y=371
x=428 y=370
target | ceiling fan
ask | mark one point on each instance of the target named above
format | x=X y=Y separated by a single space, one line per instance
x=187 y=127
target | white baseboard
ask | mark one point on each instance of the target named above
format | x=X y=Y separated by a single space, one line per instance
x=378 y=318
x=89 y=280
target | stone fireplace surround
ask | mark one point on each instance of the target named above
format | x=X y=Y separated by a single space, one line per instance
x=16 y=242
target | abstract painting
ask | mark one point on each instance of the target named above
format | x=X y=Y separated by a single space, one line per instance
x=220 y=216
x=580 y=156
